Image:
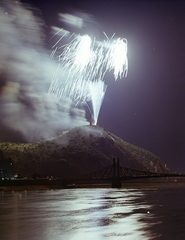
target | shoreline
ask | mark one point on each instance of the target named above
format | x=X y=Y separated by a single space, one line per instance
x=52 y=185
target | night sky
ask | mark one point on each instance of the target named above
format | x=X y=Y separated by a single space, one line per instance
x=147 y=108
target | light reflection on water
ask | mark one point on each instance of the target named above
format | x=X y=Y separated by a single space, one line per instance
x=73 y=214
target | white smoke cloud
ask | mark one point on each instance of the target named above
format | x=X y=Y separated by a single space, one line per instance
x=25 y=74
x=71 y=19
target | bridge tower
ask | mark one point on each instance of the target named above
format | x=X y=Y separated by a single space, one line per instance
x=116 y=181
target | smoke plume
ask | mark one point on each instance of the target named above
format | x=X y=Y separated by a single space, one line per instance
x=28 y=113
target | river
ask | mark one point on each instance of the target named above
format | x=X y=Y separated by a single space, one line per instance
x=93 y=214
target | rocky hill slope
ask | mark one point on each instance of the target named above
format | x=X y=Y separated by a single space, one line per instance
x=78 y=151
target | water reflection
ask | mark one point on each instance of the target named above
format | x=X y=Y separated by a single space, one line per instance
x=102 y=213
x=74 y=214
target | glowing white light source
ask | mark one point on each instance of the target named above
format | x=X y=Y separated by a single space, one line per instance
x=81 y=63
x=117 y=58
x=77 y=54
x=97 y=93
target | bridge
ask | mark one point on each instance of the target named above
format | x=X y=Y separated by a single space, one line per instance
x=117 y=173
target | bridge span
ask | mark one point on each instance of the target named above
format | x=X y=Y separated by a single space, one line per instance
x=116 y=173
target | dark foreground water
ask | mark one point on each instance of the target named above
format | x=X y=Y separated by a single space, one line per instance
x=92 y=214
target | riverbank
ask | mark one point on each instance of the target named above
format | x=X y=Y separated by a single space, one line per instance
x=32 y=185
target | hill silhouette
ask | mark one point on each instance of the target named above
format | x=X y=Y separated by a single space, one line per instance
x=78 y=151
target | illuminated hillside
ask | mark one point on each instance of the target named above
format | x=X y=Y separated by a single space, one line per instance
x=81 y=150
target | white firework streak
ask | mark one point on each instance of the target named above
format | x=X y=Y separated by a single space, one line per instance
x=83 y=61
x=97 y=93
x=73 y=63
x=117 y=58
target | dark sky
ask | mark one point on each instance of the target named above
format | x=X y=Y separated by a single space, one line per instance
x=147 y=108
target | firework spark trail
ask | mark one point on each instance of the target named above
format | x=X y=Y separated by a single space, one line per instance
x=117 y=58
x=83 y=64
x=97 y=92
x=74 y=61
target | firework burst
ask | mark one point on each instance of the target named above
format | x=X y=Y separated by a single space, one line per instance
x=82 y=65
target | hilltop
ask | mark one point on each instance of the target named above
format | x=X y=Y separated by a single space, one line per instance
x=81 y=150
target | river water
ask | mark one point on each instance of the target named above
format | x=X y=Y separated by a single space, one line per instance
x=93 y=214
